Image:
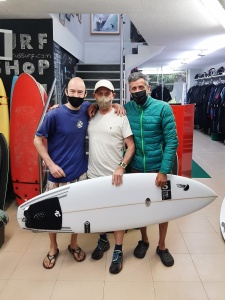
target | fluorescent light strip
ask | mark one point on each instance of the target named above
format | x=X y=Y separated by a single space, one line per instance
x=216 y=9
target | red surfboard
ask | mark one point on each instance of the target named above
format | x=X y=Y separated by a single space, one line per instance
x=28 y=102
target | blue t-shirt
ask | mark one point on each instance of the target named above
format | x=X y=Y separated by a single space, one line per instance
x=65 y=130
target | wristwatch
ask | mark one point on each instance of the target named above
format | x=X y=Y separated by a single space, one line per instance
x=123 y=165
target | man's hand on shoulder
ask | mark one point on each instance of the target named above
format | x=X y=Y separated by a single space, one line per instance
x=92 y=109
x=53 y=107
x=119 y=109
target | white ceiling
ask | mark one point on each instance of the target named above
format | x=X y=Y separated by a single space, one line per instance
x=178 y=26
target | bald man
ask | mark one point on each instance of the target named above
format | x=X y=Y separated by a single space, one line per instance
x=65 y=130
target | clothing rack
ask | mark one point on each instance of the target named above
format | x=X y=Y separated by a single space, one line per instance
x=209 y=100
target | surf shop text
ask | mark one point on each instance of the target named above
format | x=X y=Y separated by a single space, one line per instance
x=33 y=57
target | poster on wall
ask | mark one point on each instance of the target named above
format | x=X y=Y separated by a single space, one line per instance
x=62 y=19
x=65 y=69
x=105 y=24
x=32 y=51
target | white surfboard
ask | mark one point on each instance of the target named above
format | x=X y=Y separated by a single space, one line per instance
x=95 y=205
x=222 y=219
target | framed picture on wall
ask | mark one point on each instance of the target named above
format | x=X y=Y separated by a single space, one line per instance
x=62 y=18
x=68 y=16
x=79 y=17
x=105 y=23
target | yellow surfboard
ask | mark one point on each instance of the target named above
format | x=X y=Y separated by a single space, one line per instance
x=4 y=113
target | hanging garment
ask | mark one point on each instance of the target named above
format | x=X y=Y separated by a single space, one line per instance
x=209 y=100
x=161 y=93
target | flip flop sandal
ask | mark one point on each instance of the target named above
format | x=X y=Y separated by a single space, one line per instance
x=50 y=258
x=78 y=251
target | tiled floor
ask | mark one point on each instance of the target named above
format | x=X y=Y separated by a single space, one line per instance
x=195 y=242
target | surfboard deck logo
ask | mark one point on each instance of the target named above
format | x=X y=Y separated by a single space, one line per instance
x=95 y=205
x=183 y=186
x=166 y=191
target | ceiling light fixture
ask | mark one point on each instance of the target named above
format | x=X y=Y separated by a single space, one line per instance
x=205 y=47
x=211 y=44
x=216 y=9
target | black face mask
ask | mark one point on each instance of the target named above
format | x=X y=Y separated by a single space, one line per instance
x=75 y=101
x=139 y=97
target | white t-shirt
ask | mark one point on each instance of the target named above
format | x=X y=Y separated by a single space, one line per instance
x=106 y=143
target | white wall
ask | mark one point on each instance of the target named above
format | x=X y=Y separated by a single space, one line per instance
x=76 y=38
x=71 y=36
x=100 y=48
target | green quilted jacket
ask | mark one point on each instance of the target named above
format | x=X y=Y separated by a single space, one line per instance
x=155 y=135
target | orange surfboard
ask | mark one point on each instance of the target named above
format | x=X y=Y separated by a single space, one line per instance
x=28 y=102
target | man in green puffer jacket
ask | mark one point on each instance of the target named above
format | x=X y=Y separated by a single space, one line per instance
x=154 y=131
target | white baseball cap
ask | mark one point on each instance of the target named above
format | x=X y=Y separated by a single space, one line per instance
x=104 y=83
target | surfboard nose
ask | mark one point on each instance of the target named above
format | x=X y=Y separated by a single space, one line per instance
x=212 y=193
x=202 y=190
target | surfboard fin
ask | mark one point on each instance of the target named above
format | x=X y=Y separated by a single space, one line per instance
x=223 y=225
